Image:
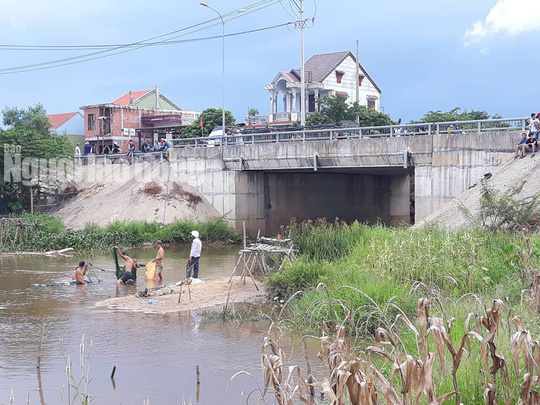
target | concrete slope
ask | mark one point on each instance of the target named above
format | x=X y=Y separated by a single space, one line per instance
x=143 y=192
x=514 y=172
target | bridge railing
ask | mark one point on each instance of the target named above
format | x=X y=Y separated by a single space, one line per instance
x=119 y=158
x=436 y=128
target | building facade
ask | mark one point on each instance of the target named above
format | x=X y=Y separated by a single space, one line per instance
x=325 y=75
x=138 y=115
x=70 y=124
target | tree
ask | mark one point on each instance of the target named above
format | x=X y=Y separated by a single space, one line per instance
x=28 y=132
x=337 y=109
x=31 y=118
x=368 y=117
x=457 y=114
x=317 y=118
x=211 y=118
x=253 y=112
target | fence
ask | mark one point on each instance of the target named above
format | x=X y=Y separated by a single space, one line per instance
x=438 y=128
x=120 y=158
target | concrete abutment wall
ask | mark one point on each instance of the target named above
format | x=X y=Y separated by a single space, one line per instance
x=267 y=184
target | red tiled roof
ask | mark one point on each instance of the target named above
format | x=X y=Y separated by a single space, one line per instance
x=342 y=93
x=59 y=119
x=135 y=95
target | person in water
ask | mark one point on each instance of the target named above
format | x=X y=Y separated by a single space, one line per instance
x=129 y=264
x=80 y=272
x=159 y=260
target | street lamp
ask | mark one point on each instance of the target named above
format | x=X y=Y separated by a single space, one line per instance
x=205 y=4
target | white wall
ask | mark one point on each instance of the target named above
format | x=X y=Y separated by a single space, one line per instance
x=348 y=83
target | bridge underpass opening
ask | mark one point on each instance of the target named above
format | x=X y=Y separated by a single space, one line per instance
x=366 y=195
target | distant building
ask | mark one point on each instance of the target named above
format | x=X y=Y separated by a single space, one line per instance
x=71 y=124
x=138 y=115
x=325 y=75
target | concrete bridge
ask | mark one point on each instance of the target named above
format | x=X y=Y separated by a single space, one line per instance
x=390 y=179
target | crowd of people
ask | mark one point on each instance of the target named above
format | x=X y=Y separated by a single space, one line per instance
x=159 y=146
x=529 y=141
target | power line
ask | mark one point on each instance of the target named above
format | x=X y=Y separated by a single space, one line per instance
x=141 y=44
x=171 y=42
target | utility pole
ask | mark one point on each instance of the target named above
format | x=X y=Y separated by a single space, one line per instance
x=303 y=71
x=357 y=79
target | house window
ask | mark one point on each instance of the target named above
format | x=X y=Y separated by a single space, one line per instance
x=360 y=79
x=339 y=76
x=371 y=104
x=91 y=122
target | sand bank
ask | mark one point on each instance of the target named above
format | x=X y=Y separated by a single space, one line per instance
x=213 y=292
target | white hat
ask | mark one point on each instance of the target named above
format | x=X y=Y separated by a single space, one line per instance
x=195 y=234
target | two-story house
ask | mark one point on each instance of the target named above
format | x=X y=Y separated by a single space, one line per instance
x=138 y=115
x=325 y=75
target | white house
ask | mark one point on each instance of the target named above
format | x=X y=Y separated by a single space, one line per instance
x=325 y=75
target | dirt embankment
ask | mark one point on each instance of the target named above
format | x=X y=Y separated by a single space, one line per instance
x=213 y=292
x=452 y=215
x=142 y=192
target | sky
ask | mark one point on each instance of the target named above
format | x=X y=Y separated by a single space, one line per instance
x=424 y=55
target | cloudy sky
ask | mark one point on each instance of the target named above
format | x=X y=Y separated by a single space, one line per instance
x=425 y=55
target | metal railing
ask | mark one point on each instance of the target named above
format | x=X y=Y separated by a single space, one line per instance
x=120 y=158
x=436 y=128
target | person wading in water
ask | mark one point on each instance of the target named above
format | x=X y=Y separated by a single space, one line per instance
x=159 y=260
x=80 y=272
x=129 y=264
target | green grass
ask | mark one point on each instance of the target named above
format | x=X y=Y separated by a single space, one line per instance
x=51 y=235
x=386 y=263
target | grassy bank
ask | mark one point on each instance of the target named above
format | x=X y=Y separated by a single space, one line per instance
x=395 y=264
x=50 y=234
x=370 y=281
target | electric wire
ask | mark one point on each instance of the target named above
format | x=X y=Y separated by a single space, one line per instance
x=132 y=49
x=18 y=47
x=142 y=43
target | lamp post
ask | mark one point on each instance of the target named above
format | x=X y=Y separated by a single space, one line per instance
x=205 y=4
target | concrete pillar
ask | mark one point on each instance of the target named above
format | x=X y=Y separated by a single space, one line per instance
x=293 y=102
x=400 y=198
x=317 y=100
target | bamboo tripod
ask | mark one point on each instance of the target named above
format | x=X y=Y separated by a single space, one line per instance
x=253 y=257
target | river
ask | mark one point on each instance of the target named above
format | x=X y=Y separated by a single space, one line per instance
x=155 y=355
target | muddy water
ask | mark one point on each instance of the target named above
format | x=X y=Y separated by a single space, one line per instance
x=155 y=355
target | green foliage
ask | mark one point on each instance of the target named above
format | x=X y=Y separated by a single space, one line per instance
x=505 y=211
x=457 y=114
x=337 y=109
x=32 y=134
x=33 y=118
x=317 y=118
x=51 y=235
x=389 y=262
x=368 y=117
x=321 y=240
x=253 y=112
x=212 y=118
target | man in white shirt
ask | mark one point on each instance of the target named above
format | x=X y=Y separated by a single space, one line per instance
x=194 y=256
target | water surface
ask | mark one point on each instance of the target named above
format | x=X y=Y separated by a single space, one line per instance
x=155 y=355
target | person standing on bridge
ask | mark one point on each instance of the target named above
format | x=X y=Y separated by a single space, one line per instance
x=535 y=126
x=131 y=152
x=194 y=256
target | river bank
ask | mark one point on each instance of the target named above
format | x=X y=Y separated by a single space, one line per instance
x=412 y=298
x=46 y=233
